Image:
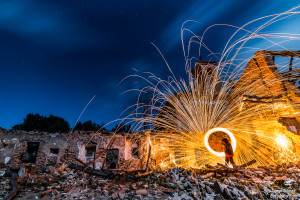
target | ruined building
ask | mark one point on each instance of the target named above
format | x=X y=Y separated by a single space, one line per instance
x=267 y=93
x=279 y=90
x=21 y=149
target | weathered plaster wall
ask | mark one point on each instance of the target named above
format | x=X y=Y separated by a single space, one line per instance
x=70 y=146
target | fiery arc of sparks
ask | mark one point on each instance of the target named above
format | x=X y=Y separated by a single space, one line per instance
x=182 y=113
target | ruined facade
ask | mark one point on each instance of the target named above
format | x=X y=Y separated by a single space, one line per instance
x=263 y=83
x=22 y=149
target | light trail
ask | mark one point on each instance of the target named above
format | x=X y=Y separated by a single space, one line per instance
x=247 y=97
x=232 y=138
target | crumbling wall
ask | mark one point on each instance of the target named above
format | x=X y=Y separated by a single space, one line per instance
x=11 y=151
x=55 y=148
x=262 y=83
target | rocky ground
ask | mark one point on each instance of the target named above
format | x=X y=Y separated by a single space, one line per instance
x=273 y=182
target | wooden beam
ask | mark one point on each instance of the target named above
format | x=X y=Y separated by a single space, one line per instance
x=267 y=102
x=282 y=53
x=149 y=155
x=295 y=76
x=90 y=170
x=80 y=162
x=226 y=166
x=291 y=67
x=143 y=174
x=15 y=186
x=248 y=163
x=263 y=97
x=290 y=72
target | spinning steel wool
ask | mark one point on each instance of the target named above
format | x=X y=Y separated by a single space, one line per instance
x=255 y=106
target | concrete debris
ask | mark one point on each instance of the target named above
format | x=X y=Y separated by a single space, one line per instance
x=47 y=167
x=6 y=160
x=270 y=182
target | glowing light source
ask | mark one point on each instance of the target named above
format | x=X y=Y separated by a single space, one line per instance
x=228 y=94
x=282 y=141
x=232 y=138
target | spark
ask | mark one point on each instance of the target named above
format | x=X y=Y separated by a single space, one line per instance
x=282 y=141
x=185 y=113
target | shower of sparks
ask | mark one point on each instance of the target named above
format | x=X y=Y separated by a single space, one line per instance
x=282 y=141
x=181 y=112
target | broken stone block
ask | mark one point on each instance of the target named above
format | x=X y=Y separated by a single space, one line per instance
x=208 y=189
x=217 y=188
x=280 y=180
x=208 y=175
x=241 y=187
x=141 y=192
x=181 y=187
x=6 y=160
x=133 y=186
x=2 y=172
x=226 y=194
x=186 y=185
x=168 y=191
x=195 y=195
x=218 y=197
x=235 y=193
x=114 y=195
x=248 y=194
x=137 y=196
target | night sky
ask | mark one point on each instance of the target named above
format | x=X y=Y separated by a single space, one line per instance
x=56 y=55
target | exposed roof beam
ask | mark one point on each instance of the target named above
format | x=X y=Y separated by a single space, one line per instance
x=290 y=72
x=282 y=53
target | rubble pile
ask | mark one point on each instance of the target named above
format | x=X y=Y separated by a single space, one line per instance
x=217 y=182
x=36 y=165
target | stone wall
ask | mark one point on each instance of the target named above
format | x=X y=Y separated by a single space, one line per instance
x=18 y=148
x=262 y=83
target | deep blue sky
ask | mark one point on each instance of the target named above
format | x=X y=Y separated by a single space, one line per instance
x=56 y=55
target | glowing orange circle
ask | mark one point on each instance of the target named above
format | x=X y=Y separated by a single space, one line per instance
x=232 y=138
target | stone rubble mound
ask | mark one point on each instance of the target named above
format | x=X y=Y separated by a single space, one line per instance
x=217 y=182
